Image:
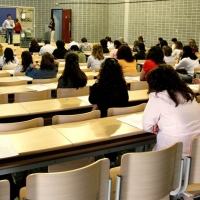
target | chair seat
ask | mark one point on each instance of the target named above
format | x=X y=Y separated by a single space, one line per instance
x=193 y=190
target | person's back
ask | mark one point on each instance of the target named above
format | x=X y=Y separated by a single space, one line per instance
x=141 y=55
x=60 y=52
x=81 y=56
x=167 y=55
x=47 y=48
x=85 y=46
x=34 y=46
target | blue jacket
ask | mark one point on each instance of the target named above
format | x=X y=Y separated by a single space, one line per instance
x=41 y=74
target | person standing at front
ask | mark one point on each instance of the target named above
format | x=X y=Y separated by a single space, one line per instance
x=9 y=24
x=52 y=29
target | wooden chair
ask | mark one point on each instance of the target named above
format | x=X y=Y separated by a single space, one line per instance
x=126 y=110
x=87 y=70
x=90 y=77
x=12 y=83
x=4 y=190
x=90 y=182
x=19 y=74
x=8 y=67
x=61 y=60
x=139 y=85
x=72 y=92
x=32 y=96
x=150 y=175
x=3 y=98
x=42 y=81
x=4 y=74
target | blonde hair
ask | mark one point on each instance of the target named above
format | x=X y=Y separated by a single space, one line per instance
x=1 y=50
x=97 y=52
x=192 y=43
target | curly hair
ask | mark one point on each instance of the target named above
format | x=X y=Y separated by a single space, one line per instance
x=9 y=55
x=165 y=77
x=26 y=60
x=156 y=54
x=124 y=52
x=47 y=62
x=97 y=52
x=111 y=77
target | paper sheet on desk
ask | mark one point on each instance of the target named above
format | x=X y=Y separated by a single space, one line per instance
x=133 y=120
x=6 y=148
x=84 y=98
x=38 y=87
x=50 y=85
x=136 y=78
x=83 y=67
x=25 y=78
x=194 y=87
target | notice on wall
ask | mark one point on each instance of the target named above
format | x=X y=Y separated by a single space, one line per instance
x=26 y=17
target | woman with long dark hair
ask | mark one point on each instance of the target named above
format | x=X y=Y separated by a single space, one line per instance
x=72 y=76
x=34 y=46
x=52 y=29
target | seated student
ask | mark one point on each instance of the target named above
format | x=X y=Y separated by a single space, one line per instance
x=81 y=56
x=72 y=76
x=26 y=61
x=60 y=52
x=192 y=44
x=121 y=40
x=8 y=58
x=103 y=43
x=178 y=49
x=141 y=55
x=110 y=43
x=163 y=43
x=135 y=46
x=126 y=59
x=72 y=42
x=85 y=46
x=113 y=53
x=189 y=61
x=48 y=68
x=154 y=57
x=159 y=41
x=96 y=58
x=140 y=39
x=172 y=112
x=174 y=40
x=34 y=47
x=47 y=48
x=167 y=55
x=110 y=89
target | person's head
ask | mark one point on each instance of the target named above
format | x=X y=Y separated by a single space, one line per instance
x=187 y=52
x=108 y=39
x=167 y=51
x=174 y=40
x=192 y=43
x=141 y=47
x=83 y=40
x=1 y=50
x=8 y=16
x=163 y=43
x=121 y=39
x=73 y=72
x=74 y=48
x=160 y=40
x=60 y=44
x=140 y=39
x=26 y=60
x=117 y=44
x=178 y=45
x=47 y=42
x=71 y=39
x=97 y=52
x=104 y=43
x=124 y=52
x=34 y=43
x=164 y=77
x=52 y=19
x=16 y=20
x=156 y=54
x=47 y=61
x=8 y=55
x=136 y=42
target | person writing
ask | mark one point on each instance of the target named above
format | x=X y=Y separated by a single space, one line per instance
x=18 y=27
x=52 y=29
x=9 y=24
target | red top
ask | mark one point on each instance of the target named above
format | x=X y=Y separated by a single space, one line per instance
x=18 y=27
x=149 y=65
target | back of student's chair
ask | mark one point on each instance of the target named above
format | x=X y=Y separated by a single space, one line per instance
x=61 y=60
x=32 y=96
x=37 y=122
x=87 y=183
x=82 y=64
x=12 y=83
x=87 y=70
x=132 y=74
x=72 y=92
x=42 y=81
x=4 y=190
x=8 y=67
x=139 y=85
x=198 y=98
x=126 y=110
x=4 y=74
x=150 y=175
x=19 y=74
x=90 y=77
x=3 y=98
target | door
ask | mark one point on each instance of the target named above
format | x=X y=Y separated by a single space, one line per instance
x=57 y=15
x=66 y=25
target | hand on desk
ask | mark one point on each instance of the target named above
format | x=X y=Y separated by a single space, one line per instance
x=155 y=129
x=196 y=81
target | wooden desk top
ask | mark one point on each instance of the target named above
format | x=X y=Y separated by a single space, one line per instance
x=4 y=73
x=95 y=74
x=138 y=95
x=14 y=78
x=38 y=139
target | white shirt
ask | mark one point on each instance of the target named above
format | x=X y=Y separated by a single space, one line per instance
x=169 y=59
x=110 y=45
x=176 y=53
x=176 y=124
x=7 y=24
x=188 y=64
x=14 y=62
x=72 y=43
x=94 y=63
x=47 y=48
x=18 y=68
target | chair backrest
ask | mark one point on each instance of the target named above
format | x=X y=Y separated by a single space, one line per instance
x=126 y=110
x=48 y=80
x=150 y=175
x=72 y=92
x=4 y=190
x=132 y=74
x=8 y=67
x=19 y=74
x=3 y=98
x=89 y=183
x=4 y=74
x=37 y=122
x=139 y=85
x=11 y=83
x=194 y=169
x=82 y=64
x=32 y=96
x=61 y=119
x=90 y=77
x=87 y=70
